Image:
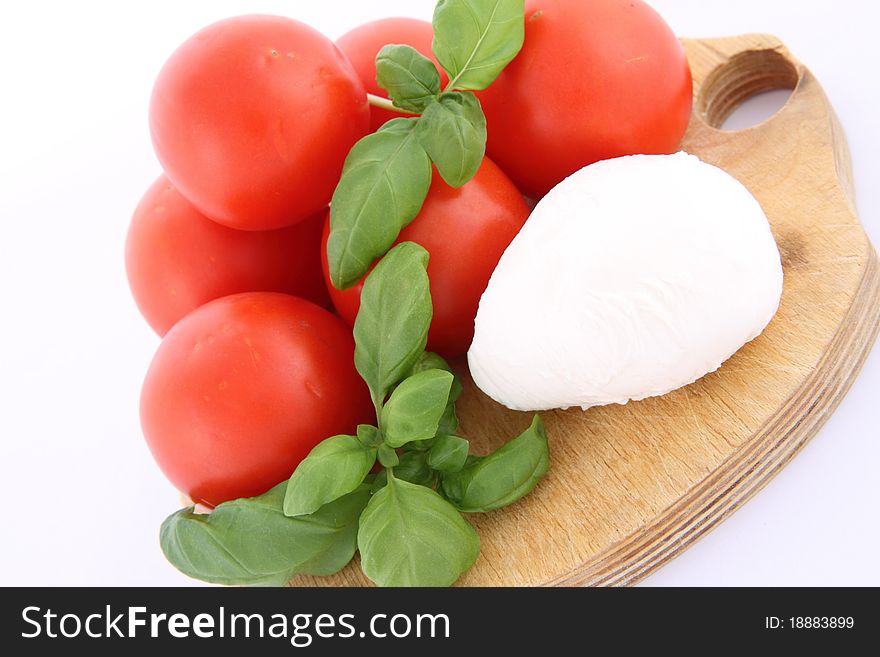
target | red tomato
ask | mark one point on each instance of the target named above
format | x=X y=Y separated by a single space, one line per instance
x=594 y=80
x=243 y=388
x=252 y=119
x=362 y=44
x=465 y=231
x=177 y=260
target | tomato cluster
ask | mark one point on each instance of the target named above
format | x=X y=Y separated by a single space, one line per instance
x=252 y=119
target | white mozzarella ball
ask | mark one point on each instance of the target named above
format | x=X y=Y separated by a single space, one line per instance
x=631 y=278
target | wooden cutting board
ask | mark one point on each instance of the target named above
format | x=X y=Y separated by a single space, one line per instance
x=632 y=486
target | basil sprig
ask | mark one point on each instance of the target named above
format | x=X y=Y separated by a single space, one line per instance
x=411 y=532
x=387 y=174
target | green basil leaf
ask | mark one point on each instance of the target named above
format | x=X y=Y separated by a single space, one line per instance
x=448 y=424
x=410 y=78
x=449 y=420
x=384 y=183
x=448 y=453
x=419 y=445
x=413 y=467
x=379 y=482
x=431 y=361
x=391 y=327
x=451 y=483
x=452 y=131
x=334 y=467
x=415 y=407
x=410 y=536
x=369 y=435
x=387 y=456
x=251 y=541
x=502 y=477
x=475 y=39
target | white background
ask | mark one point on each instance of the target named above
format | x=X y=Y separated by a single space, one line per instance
x=81 y=497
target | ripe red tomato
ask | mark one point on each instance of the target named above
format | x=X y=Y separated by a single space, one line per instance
x=241 y=390
x=178 y=260
x=363 y=43
x=465 y=231
x=252 y=119
x=594 y=80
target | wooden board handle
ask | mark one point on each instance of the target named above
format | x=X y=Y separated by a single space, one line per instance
x=728 y=71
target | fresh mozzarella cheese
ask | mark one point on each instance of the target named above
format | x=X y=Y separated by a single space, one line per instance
x=631 y=278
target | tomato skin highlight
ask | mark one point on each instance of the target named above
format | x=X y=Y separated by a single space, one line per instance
x=241 y=390
x=363 y=43
x=465 y=231
x=177 y=259
x=594 y=80
x=252 y=119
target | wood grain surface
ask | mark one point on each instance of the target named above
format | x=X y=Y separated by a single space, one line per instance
x=632 y=486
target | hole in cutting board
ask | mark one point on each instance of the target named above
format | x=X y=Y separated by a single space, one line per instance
x=746 y=90
x=756 y=109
